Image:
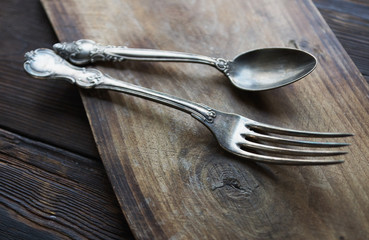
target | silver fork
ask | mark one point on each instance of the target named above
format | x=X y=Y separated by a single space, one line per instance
x=236 y=134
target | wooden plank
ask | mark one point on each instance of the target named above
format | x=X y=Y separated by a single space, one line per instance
x=44 y=193
x=39 y=30
x=45 y=111
x=170 y=176
x=48 y=193
x=349 y=20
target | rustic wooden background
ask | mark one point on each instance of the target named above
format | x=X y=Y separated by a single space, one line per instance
x=53 y=184
x=169 y=174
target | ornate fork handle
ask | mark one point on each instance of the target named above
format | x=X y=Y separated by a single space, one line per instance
x=44 y=63
x=86 y=51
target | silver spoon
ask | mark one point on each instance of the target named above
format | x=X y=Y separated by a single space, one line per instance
x=256 y=70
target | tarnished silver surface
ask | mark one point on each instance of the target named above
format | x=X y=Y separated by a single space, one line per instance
x=257 y=70
x=236 y=134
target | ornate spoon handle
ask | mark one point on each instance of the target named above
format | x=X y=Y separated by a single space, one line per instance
x=46 y=64
x=86 y=51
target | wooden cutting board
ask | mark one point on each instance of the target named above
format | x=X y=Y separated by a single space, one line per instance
x=170 y=176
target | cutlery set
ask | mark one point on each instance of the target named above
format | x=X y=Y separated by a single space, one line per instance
x=256 y=70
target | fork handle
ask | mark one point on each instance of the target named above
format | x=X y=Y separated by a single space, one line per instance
x=86 y=51
x=46 y=64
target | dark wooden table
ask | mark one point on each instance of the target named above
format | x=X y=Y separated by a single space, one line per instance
x=53 y=184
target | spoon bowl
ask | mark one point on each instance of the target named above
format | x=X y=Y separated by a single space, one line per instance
x=269 y=68
x=256 y=70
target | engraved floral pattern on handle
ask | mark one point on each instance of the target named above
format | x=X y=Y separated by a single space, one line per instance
x=222 y=65
x=44 y=63
x=86 y=51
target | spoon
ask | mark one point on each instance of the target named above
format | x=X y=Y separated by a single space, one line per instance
x=256 y=70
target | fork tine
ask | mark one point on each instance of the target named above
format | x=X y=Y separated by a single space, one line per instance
x=287 y=161
x=257 y=136
x=288 y=151
x=291 y=132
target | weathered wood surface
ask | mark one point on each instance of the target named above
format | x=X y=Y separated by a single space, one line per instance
x=47 y=189
x=35 y=32
x=24 y=27
x=45 y=111
x=48 y=193
x=349 y=20
x=170 y=176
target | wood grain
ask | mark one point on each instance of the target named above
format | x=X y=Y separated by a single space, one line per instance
x=349 y=20
x=44 y=193
x=171 y=178
x=47 y=193
x=43 y=111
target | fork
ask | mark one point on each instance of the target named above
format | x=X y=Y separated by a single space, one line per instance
x=236 y=134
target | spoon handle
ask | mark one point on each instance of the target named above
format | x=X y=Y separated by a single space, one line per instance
x=46 y=64
x=86 y=51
